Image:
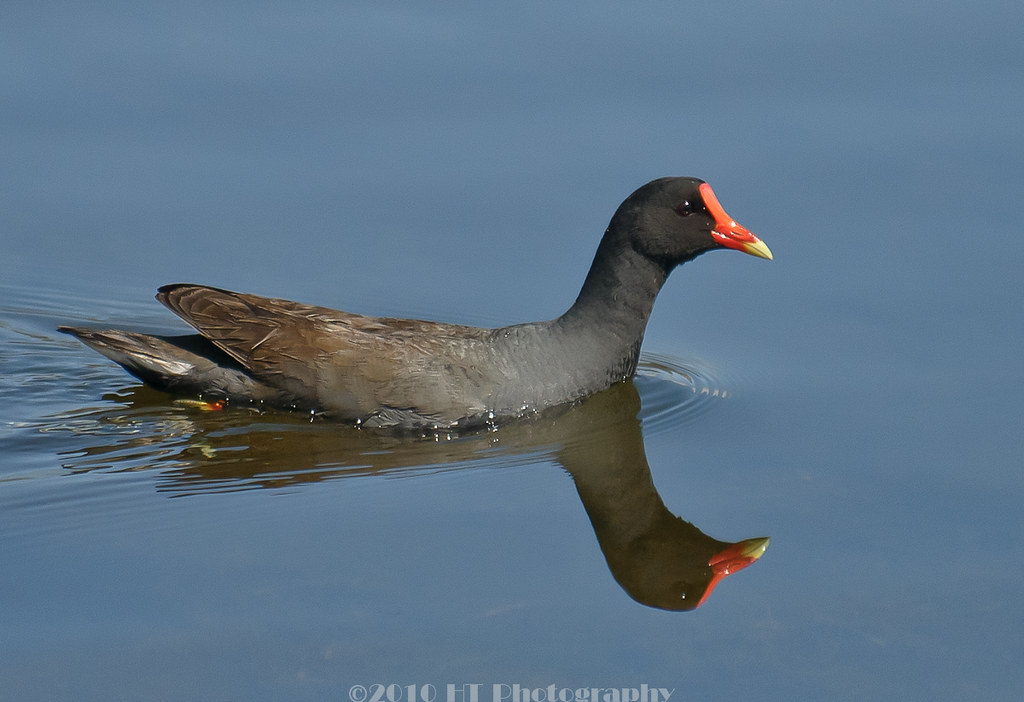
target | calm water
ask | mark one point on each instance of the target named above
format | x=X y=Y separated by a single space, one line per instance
x=857 y=400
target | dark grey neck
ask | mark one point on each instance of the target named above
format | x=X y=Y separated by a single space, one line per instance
x=615 y=303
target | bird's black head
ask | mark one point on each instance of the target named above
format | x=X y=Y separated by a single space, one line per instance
x=672 y=220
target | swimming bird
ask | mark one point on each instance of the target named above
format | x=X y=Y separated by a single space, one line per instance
x=413 y=374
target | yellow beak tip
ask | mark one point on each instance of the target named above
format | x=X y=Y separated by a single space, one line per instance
x=758 y=248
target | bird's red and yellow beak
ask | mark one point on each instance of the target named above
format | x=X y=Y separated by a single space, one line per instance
x=735 y=557
x=728 y=232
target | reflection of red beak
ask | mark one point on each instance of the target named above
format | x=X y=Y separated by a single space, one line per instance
x=728 y=232
x=732 y=558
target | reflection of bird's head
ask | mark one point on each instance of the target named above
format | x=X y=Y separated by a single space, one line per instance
x=676 y=566
x=659 y=559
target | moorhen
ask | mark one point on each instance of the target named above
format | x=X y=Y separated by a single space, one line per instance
x=384 y=372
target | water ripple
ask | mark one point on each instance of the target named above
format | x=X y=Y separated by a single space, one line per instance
x=138 y=428
x=676 y=392
x=57 y=421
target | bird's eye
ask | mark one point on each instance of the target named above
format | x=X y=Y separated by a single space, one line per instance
x=684 y=209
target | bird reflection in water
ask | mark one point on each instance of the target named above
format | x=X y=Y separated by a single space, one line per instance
x=659 y=559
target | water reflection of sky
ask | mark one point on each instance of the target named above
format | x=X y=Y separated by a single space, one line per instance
x=460 y=163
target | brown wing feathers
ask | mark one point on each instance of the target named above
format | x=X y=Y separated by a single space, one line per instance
x=274 y=339
x=332 y=359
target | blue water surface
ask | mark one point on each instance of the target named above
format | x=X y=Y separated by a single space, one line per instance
x=857 y=399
